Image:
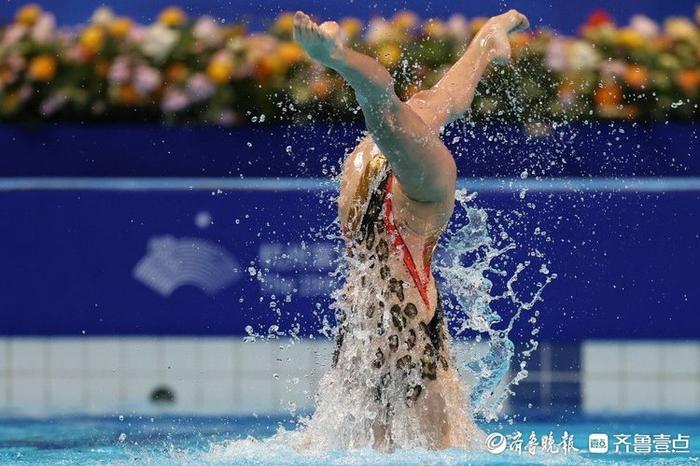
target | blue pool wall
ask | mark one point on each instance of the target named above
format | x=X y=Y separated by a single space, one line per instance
x=580 y=150
x=82 y=208
x=626 y=262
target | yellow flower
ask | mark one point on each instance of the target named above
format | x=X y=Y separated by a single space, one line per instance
x=351 y=27
x=28 y=15
x=405 y=20
x=630 y=38
x=603 y=34
x=434 y=28
x=284 y=24
x=477 y=24
x=268 y=66
x=120 y=27
x=220 y=69
x=172 y=16
x=92 y=39
x=680 y=29
x=237 y=30
x=519 y=40
x=42 y=68
x=389 y=55
x=290 y=53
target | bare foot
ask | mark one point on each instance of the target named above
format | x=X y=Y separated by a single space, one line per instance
x=323 y=43
x=493 y=36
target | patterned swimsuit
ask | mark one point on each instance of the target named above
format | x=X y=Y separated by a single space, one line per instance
x=405 y=353
x=392 y=383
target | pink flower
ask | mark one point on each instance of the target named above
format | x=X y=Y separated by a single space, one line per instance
x=458 y=26
x=136 y=34
x=53 y=103
x=207 y=31
x=120 y=71
x=567 y=97
x=200 y=87
x=66 y=35
x=146 y=79
x=555 y=57
x=613 y=68
x=174 y=100
x=16 y=62
x=74 y=53
x=25 y=92
x=644 y=25
x=44 y=29
x=13 y=34
x=258 y=46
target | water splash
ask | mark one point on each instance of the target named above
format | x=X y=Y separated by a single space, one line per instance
x=472 y=255
x=477 y=265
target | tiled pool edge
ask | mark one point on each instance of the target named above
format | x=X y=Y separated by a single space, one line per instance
x=43 y=376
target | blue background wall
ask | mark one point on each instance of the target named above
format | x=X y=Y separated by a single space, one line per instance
x=627 y=262
x=564 y=15
x=609 y=149
x=80 y=206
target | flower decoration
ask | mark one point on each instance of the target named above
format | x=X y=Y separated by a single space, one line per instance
x=28 y=15
x=42 y=68
x=172 y=17
x=201 y=69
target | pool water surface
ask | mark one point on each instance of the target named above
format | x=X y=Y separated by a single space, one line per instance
x=167 y=440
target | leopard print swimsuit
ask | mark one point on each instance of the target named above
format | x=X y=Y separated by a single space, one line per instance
x=392 y=383
x=406 y=353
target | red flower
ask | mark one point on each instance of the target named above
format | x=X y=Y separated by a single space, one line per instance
x=598 y=18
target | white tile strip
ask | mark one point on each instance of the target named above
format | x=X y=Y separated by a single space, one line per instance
x=93 y=375
x=641 y=377
x=638 y=184
x=96 y=375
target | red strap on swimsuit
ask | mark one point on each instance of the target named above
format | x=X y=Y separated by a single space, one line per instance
x=400 y=244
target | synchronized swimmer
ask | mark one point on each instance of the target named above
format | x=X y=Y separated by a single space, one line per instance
x=393 y=383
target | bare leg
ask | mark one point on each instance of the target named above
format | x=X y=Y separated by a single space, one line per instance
x=452 y=96
x=407 y=133
x=421 y=162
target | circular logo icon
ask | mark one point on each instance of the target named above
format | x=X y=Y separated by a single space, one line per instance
x=496 y=443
